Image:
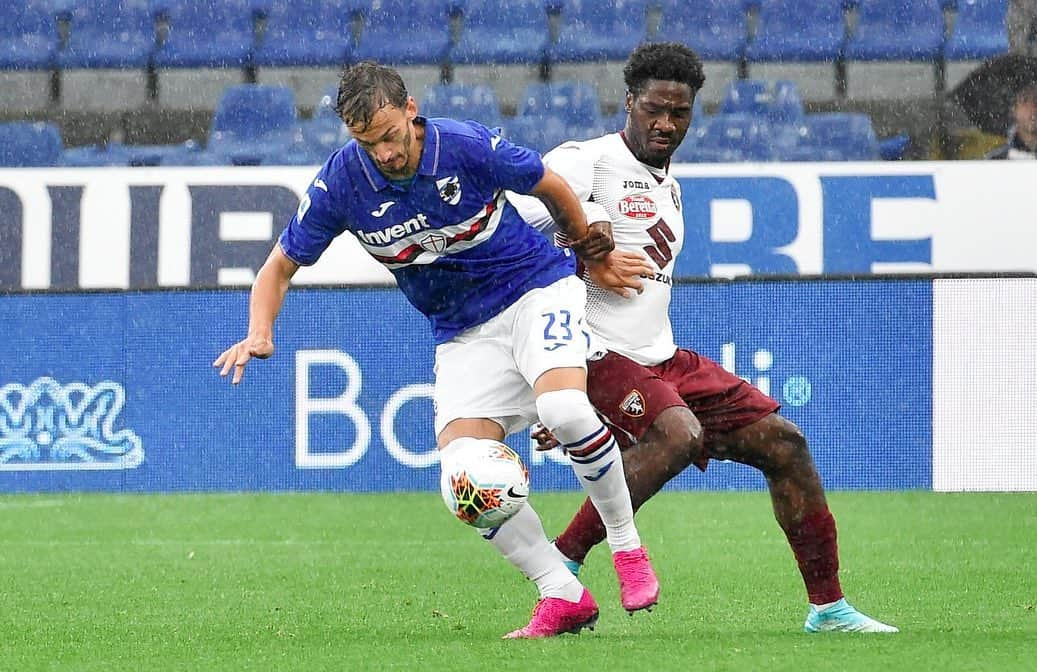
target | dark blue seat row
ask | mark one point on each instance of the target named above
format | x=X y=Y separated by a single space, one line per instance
x=264 y=33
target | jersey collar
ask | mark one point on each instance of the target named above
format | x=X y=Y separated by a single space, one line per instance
x=428 y=165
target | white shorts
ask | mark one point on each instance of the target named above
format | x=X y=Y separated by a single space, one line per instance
x=488 y=371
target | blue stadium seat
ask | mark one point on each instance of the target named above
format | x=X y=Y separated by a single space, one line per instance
x=504 y=32
x=798 y=30
x=716 y=29
x=778 y=101
x=324 y=132
x=206 y=34
x=251 y=121
x=301 y=33
x=462 y=101
x=25 y=144
x=897 y=30
x=850 y=134
x=979 y=30
x=735 y=137
x=118 y=154
x=402 y=32
x=28 y=35
x=540 y=133
x=109 y=34
x=575 y=103
x=593 y=30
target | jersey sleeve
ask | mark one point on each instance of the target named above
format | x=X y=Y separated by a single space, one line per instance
x=315 y=224
x=512 y=166
x=575 y=166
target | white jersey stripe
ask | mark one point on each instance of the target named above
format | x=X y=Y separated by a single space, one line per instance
x=428 y=245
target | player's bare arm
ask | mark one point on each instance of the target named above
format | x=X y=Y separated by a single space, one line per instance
x=268 y=293
x=613 y=270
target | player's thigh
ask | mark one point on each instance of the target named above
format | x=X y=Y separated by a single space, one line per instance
x=550 y=332
x=477 y=378
x=721 y=401
x=630 y=395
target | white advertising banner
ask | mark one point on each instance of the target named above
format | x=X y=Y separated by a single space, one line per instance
x=170 y=227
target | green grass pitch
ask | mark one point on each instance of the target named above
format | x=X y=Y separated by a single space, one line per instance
x=391 y=582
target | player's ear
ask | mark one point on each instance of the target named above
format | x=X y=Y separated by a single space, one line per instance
x=411 y=108
x=629 y=101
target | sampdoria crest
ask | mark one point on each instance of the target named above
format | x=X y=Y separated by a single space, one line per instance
x=449 y=189
x=47 y=426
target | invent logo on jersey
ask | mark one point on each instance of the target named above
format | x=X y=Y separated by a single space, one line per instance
x=394 y=232
x=47 y=426
x=637 y=207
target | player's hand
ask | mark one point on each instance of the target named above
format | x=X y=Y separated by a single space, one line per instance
x=238 y=355
x=596 y=245
x=543 y=436
x=620 y=272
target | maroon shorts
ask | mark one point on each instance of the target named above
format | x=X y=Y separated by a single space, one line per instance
x=632 y=396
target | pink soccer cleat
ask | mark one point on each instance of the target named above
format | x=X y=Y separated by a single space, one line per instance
x=554 y=616
x=638 y=585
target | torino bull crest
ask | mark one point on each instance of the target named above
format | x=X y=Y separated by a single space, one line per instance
x=47 y=426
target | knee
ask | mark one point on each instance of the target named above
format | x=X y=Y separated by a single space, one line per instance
x=677 y=430
x=790 y=448
x=560 y=407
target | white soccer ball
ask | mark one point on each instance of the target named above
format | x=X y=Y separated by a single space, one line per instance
x=484 y=482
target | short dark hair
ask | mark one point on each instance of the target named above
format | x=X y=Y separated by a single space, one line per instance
x=365 y=88
x=664 y=61
x=1027 y=94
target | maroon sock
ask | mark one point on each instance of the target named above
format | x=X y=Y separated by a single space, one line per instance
x=813 y=542
x=584 y=532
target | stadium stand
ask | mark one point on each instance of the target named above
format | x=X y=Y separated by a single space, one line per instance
x=205 y=34
x=595 y=31
x=501 y=32
x=30 y=144
x=727 y=138
x=798 y=31
x=462 y=101
x=108 y=34
x=850 y=135
x=29 y=37
x=304 y=33
x=716 y=29
x=178 y=57
x=252 y=122
x=405 y=32
x=897 y=30
x=324 y=132
x=572 y=102
x=777 y=101
x=979 y=30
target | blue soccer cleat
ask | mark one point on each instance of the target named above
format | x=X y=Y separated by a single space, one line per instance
x=841 y=617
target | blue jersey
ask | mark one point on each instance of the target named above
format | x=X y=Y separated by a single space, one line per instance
x=459 y=251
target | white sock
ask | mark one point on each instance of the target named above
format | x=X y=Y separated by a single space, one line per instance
x=595 y=457
x=822 y=607
x=523 y=543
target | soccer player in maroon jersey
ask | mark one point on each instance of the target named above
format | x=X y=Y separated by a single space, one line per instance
x=675 y=407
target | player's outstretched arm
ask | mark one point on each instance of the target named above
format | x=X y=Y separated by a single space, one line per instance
x=618 y=272
x=264 y=304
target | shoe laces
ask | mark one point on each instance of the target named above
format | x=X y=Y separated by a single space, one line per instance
x=635 y=562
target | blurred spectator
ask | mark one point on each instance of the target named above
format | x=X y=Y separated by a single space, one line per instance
x=1022 y=136
x=1022 y=14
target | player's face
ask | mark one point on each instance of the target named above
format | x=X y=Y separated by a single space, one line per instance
x=390 y=140
x=658 y=119
x=1025 y=113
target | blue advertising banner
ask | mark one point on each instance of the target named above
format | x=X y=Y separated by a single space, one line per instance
x=115 y=391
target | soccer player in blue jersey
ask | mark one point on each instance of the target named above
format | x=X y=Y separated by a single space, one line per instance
x=426 y=198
